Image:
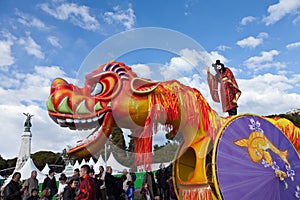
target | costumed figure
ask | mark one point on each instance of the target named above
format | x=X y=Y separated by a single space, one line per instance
x=229 y=89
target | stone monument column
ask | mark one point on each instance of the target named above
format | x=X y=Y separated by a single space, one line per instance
x=25 y=147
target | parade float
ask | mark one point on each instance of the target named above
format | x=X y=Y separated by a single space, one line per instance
x=241 y=157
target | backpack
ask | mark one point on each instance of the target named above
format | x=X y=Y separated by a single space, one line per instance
x=133 y=176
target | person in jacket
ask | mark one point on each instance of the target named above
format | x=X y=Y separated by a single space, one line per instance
x=150 y=181
x=13 y=190
x=70 y=191
x=111 y=184
x=50 y=183
x=87 y=185
x=130 y=191
x=30 y=184
x=162 y=176
x=33 y=195
x=101 y=182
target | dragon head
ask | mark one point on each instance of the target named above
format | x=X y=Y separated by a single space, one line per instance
x=111 y=93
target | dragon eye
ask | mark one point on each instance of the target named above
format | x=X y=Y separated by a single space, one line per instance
x=96 y=89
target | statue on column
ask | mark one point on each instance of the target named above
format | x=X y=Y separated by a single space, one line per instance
x=27 y=123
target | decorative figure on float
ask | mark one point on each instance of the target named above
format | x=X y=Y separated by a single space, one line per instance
x=229 y=89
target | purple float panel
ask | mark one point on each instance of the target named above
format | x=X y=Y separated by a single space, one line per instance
x=251 y=157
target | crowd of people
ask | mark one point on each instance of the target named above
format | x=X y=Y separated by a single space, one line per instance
x=84 y=184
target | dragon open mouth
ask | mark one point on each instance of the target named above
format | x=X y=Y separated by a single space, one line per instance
x=92 y=144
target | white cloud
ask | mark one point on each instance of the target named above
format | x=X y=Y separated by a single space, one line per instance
x=267 y=94
x=8 y=82
x=29 y=21
x=247 y=20
x=124 y=17
x=293 y=45
x=188 y=62
x=6 y=57
x=279 y=10
x=223 y=48
x=266 y=60
x=31 y=47
x=251 y=41
x=78 y=15
x=54 y=41
x=142 y=70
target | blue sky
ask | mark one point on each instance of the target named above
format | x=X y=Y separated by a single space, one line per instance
x=41 y=40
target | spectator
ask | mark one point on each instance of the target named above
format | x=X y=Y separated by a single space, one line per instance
x=128 y=178
x=76 y=177
x=145 y=192
x=133 y=176
x=162 y=176
x=13 y=190
x=87 y=185
x=130 y=191
x=70 y=191
x=76 y=174
x=151 y=185
x=61 y=186
x=120 y=192
x=30 y=184
x=96 y=181
x=110 y=183
x=101 y=182
x=46 y=194
x=33 y=195
x=172 y=189
x=50 y=183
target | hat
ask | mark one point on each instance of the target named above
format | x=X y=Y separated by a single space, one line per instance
x=218 y=62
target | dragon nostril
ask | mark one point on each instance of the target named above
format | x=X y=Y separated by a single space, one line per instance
x=58 y=81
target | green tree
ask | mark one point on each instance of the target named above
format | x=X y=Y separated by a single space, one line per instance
x=130 y=147
x=3 y=163
x=117 y=138
x=42 y=158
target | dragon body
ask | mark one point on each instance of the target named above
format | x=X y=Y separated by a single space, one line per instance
x=113 y=95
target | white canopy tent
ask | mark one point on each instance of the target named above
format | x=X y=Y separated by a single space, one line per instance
x=116 y=166
x=46 y=169
x=76 y=165
x=68 y=171
x=100 y=162
x=91 y=162
x=83 y=162
x=28 y=167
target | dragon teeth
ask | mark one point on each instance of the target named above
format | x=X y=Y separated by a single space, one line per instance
x=82 y=121
x=61 y=121
x=69 y=120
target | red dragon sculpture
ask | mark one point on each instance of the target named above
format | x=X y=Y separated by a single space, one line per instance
x=114 y=95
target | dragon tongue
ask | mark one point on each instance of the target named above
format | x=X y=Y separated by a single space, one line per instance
x=92 y=147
